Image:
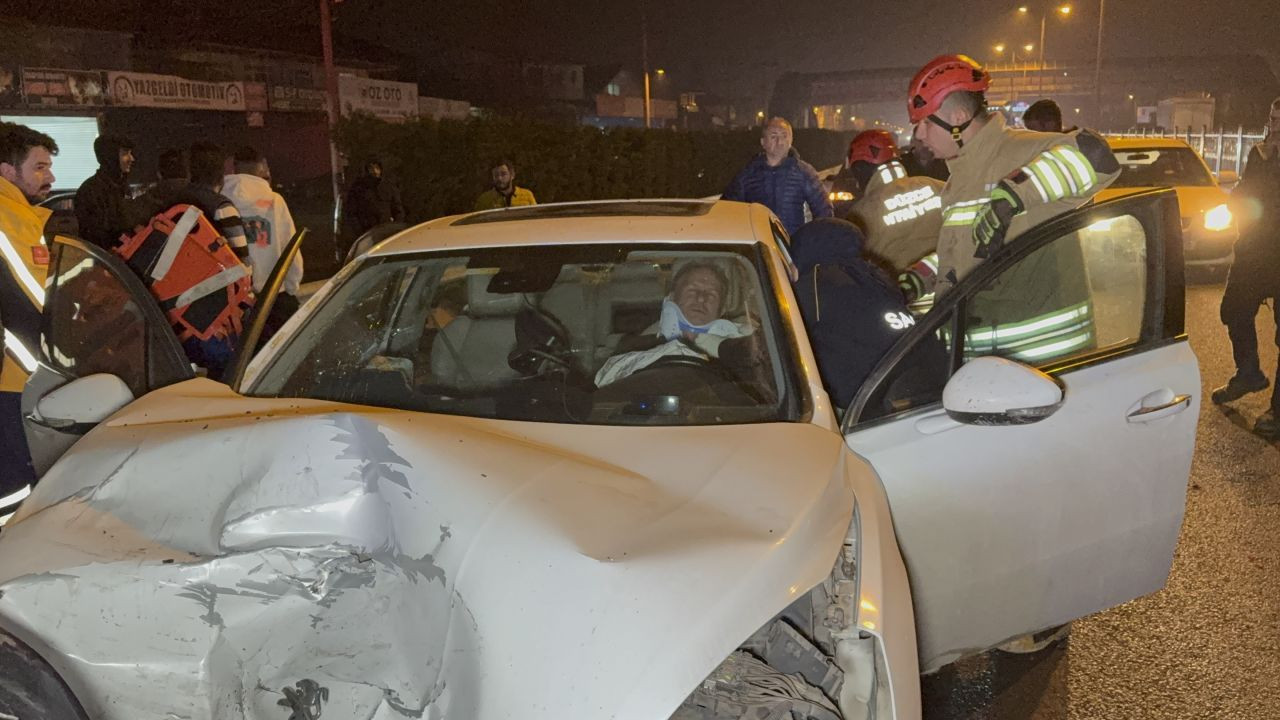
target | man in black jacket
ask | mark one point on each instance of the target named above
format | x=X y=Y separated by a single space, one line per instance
x=1255 y=271
x=853 y=310
x=103 y=208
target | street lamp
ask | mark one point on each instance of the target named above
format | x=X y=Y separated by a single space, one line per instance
x=1064 y=11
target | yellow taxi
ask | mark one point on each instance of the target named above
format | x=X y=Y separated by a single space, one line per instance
x=1209 y=228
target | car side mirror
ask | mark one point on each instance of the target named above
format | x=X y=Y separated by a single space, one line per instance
x=1228 y=178
x=996 y=391
x=83 y=402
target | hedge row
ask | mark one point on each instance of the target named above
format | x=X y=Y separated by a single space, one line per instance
x=441 y=166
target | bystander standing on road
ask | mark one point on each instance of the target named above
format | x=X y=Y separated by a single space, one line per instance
x=1044 y=116
x=172 y=175
x=103 y=206
x=26 y=177
x=208 y=161
x=504 y=193
x=1255 y=271
x=268 y=226
x=374 y=199
x=778 y=179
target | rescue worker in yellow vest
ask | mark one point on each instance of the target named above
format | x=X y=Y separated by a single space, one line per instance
x=900 y=215
x=1003 y=182
x=26 y=177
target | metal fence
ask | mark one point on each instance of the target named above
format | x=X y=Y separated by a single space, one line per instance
x=1221 y=149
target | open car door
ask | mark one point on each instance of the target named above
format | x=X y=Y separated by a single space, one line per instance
x=261 y=313
x=1034 y=431
x=104 y=341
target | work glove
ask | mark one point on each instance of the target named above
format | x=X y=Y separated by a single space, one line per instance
x=992 y=224
x=912 y=285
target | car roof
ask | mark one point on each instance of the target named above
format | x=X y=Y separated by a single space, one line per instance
x=1134 y=143
x=601 y=221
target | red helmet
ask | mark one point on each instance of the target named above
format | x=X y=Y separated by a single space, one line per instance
x=872 y=146
x=942 y=76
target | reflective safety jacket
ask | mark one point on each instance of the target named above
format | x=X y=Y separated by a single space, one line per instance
x=1041 y=308
x=24 y=264
x=899 y=215
x=1050 y=172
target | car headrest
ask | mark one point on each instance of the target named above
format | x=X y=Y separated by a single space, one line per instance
x=482 y=303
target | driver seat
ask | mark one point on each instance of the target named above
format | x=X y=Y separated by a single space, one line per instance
x=470 y=353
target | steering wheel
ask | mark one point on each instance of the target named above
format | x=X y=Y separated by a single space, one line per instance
x=542 y=341
x=697 y=362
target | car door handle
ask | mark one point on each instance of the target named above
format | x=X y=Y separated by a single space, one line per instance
x=1148 y=414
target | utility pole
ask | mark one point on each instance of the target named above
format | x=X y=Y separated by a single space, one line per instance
x=1043 y=18
x=644 y=59
x=331 y=107
x=1097 y=71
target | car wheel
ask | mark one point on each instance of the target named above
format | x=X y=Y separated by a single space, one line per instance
x=1035 y=642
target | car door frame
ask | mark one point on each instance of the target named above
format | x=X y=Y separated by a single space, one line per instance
x=165 y=361
x=1164 y=317
x=257 y=320
x=1163 y=326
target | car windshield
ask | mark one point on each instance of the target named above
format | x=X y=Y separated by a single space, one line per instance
x=1161 y=167
x=585 y=333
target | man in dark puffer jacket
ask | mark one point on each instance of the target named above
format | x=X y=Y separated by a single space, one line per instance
x=778 y=179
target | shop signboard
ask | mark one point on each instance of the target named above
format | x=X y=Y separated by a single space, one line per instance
x=170 y=91
x=386 y=99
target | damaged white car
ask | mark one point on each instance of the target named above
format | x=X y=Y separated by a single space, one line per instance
x=439 y=493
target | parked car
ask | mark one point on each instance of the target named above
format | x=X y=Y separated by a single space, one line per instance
x=420 y=499
x=1209 y=228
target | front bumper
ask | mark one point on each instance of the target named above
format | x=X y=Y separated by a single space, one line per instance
x=1201 y=247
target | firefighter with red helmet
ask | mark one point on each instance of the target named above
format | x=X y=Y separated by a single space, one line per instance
x=1003 y=180
x=900 y=215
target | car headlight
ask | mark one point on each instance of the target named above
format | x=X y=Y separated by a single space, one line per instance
x=29 y=686
x=1219 y=218
x=840 y=196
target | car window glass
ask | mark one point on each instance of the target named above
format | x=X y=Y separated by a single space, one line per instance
x=1079 y=294
x=94 y=324
x=600 y=334
x=1161 y=167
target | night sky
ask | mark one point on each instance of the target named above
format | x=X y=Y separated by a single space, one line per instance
x=723 y=46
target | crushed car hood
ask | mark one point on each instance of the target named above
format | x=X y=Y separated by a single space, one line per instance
x=206 y=555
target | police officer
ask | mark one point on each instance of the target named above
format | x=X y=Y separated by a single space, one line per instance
x=900 y=215
x=852 y=309
x=1255 y=272
x=26 y=177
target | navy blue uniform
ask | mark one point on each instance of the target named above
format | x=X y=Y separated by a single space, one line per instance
x=853 y=310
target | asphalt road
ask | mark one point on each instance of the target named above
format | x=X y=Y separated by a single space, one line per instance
x=1208 y=645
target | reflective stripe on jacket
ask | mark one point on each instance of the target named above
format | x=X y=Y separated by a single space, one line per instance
x=24 y=263
x=1059 y=178
x=900 y=216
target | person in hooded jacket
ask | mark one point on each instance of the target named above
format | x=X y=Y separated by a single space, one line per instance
x=854 y=312
x=103 y=206
x=372 y=200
